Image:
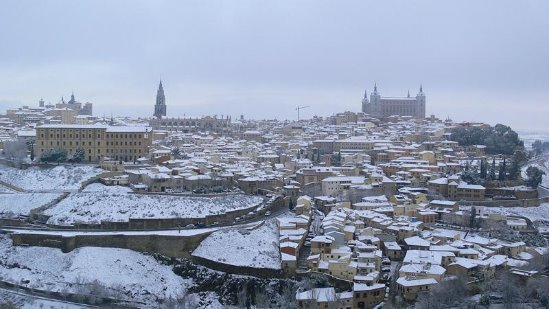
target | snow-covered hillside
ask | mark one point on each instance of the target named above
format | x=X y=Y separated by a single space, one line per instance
x=17 y=204
x=116 y=205
x=62 y=177
x=540 y=213
x=4 y=189
x=124 y=274
x=542 y=162
x=256 y=248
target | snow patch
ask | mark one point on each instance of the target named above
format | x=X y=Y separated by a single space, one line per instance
x=97 y=206
x=62 y=177
x=257 y=248
x=126 y=274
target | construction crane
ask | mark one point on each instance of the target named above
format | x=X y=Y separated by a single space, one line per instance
x=298 y=108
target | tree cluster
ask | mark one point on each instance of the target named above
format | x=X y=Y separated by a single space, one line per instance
x=60 y=155
x=538 y=147
x=499 y=139
x=535 y=176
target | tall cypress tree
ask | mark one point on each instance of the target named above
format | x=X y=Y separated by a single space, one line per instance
x=501 y=175
x=483 y=171
x=493 y=169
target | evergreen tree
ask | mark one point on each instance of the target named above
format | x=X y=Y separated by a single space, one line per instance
x=54 y=155
x=520 y=158
x=535 y=176
x=502 y=167
x=472 y=217
x=493 y=169
x=483 y=169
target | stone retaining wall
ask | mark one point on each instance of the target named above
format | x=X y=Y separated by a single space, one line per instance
x=239 y=270
x=9 y=185
x=171 y=246
x=507 y=203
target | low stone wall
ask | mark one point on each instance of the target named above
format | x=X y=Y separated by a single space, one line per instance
x=36 y=213
x=13 y=221
x=507 y=203
x=239 y=270
x=97 y=178
x=9 y=185
x=171 y=246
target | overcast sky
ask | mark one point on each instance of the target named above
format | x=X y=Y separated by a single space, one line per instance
x=477 y=60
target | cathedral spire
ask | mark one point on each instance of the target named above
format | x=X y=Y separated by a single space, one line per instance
x=160 y=106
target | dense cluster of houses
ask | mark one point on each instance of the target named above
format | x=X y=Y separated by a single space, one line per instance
x=365 y=193
x=363 y=246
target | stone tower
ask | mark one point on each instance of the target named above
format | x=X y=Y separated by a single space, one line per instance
x=160 y=106
x=365 y=102
x=420 y=99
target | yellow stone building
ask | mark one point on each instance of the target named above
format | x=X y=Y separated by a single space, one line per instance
x=120 y=143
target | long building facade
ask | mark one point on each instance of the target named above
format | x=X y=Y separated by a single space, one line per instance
x=189 y=124
x=121 y=143
x=382 y=107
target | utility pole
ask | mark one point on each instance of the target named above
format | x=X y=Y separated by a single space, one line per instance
x=298 y=108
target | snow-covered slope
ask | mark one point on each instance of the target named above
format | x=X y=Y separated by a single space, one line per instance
x=124 y=274
x=540 y=213
x=62 y=177
x=256 y=248
x=13 y=205
x=118 y=206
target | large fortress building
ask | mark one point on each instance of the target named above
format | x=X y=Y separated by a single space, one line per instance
x=382 y=107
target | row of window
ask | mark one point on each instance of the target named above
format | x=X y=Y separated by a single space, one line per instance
x=109 y=135
x=98 y=143
x=111 y=151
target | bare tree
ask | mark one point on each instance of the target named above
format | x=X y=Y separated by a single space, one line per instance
x=445 y=294
x=15 y=150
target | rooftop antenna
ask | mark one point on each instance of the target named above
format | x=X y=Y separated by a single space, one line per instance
x=299 y=108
